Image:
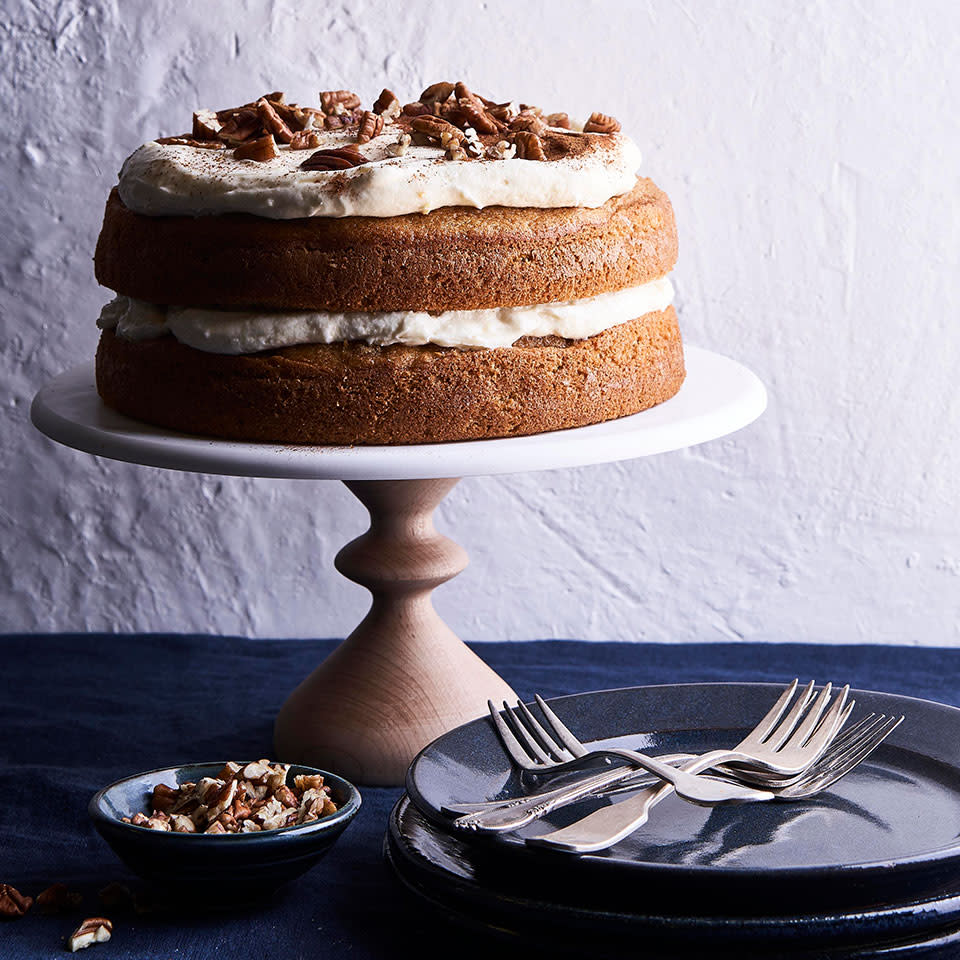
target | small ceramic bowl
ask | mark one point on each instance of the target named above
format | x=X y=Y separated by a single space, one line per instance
x=215 y=867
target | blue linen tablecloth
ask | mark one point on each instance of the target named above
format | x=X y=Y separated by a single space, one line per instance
x=78 y=711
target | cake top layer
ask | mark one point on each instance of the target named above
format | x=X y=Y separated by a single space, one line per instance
x=449 y=148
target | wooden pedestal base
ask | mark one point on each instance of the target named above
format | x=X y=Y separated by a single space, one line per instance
x=402 y=677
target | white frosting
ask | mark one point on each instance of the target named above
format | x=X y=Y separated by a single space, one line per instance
x=236 y=332
x=169 y=179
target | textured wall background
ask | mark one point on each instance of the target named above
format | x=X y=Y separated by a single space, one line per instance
x=812 y=153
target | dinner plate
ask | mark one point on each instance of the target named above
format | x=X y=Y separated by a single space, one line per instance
x=888 y=832
x=443 y=872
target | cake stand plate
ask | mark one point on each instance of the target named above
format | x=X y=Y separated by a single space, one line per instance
x=402 y=677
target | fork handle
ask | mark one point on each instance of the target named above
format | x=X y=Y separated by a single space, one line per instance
x=608 y=825
x=511 y=815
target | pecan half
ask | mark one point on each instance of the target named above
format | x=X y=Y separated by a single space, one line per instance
x=437 y=130
x=504 y=112
x=13 y=904
x=338 y=101
x=371 y=125
x=387 y=104
x=340 y=159
x=190 y=142
x=529 y=146
x=273 y=122
x=116 y=895
x=92 y=930
x=437 y=93
x=560 y=120
x=206 y=126
x=57 y=898
x=601 y=123
x=305 y=140
x=261 y=150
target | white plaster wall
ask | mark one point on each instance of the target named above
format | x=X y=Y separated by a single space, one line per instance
x=812 y=153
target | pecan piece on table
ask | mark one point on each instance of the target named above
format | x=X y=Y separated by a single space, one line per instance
x=340 y=159
x=560 y=120
x=371 y=125
x=57 y=898
x=13 y=904
x=261 y=150
x=92 y=930
x=601 y=123
x=338 y=101
x=529 y=146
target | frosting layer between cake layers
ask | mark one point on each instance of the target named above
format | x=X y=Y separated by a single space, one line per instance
x=239 y=332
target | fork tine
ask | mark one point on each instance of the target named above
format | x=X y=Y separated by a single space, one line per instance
x=510 y=743
x=778 y=736
x=526 y=739
x=559 y=728
x=535 y=728
x=812 y=717
x=823 y=735
x=841 y=765
x=762 y=730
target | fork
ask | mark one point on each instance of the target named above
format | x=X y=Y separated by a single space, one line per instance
x=608 y=825
x=779 y=745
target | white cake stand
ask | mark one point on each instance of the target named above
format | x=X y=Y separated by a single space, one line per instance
x=402 y=677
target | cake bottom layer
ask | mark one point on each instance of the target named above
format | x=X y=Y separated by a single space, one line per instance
x=352 y=393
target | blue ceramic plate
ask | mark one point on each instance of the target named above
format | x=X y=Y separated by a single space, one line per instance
x=197 y=863
x=887 y=832
x=444 y=873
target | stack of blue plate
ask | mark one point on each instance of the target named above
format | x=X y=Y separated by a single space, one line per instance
x=869 y=868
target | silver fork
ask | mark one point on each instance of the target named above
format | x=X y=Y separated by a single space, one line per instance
x=608 y=825
x=779 y=745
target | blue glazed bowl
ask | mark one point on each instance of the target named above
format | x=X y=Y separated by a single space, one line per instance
x=215 y=867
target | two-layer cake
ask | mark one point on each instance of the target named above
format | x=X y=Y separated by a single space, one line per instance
x=455 y=268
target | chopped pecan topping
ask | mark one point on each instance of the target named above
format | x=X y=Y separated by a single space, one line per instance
x=601 y=123
x=504 y=112
x=437 y=93
x=528 y=122
x=437 y=130
x=305 y=140
x=338 y=101
x=57 y=898
x=241 y=125
x=13 y=904
x=190 y=142
x=529 y=146
x=261 y=150
x=399 y=148
x=560 y=120
x=371 y=125
x=336 y=121
x=387 y=104
x=529 y=108
x=273 y=122
x=340 y=159
x=502 y=150
x=415 y=109
x=206 y=126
